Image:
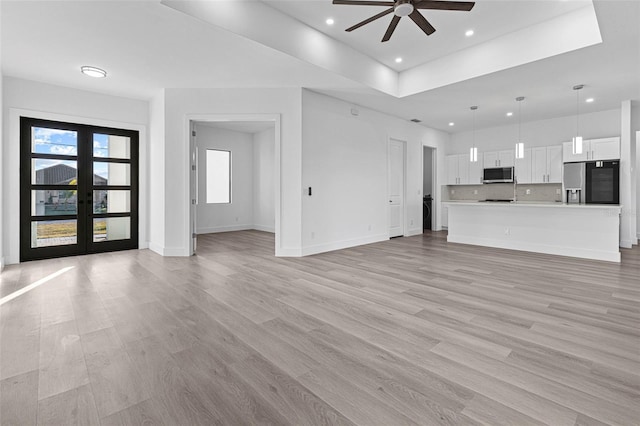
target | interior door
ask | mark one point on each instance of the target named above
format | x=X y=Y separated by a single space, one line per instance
x=396 y=188
x=78 y=189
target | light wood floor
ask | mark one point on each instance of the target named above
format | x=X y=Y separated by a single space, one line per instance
x=409 y=331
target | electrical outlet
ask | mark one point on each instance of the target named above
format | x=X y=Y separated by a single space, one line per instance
x=475 y=192
x=453 y=191
x=507 y=231
x=411 y=222
x=528 y=192
x=558 y=191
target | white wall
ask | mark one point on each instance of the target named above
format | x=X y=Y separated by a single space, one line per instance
x=628 y=218
x=538 y=133
x=2 y=151
x=238 y=214
x=635 y=153
x=180 y=104
x=34 y=99
x=345 y=163
x=157 y=185
x=263 y=181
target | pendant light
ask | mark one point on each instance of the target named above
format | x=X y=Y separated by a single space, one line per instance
x=473 y=151
x=577 y=139
x=519 y=143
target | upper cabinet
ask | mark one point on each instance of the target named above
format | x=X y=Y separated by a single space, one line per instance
x=461 y=171
x=457 y=169
x=605 y=149
x=523 y=168
x=546 y=164
x=593 y=150
x=499 y=158
x=475 y=171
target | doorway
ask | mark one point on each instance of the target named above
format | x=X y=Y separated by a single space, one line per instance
x=78 y=189
x=396 y=184
x=428 y=188
x=250 y=145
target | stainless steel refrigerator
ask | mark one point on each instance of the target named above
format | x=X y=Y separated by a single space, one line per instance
x=574 y=182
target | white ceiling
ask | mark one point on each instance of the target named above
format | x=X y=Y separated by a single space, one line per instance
x=146 y=46
x=488 y=19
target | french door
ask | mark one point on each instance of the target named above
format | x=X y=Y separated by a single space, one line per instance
x=78 y=189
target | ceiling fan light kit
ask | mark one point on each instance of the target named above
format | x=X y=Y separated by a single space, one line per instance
x=408 y=8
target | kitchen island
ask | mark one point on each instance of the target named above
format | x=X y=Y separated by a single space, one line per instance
x=590 y=231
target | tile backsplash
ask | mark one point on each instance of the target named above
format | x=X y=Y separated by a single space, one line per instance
x=537 y=192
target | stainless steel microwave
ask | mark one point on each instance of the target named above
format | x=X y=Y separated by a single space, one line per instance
x=498 y=175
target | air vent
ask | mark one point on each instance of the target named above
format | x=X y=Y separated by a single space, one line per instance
x=415 y=120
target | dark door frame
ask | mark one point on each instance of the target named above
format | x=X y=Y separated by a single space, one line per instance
x=84 y=187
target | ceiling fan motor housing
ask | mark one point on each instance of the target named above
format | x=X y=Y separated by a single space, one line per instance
x=403 y=8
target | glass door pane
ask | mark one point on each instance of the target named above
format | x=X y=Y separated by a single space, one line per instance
x=114 y=190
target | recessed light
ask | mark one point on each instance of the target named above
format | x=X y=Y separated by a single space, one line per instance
x=329 y=21
x=469 y=33
x=398 y=60
x=509 y=114
x=93 y=71
x=589 y=100
x=452 y=123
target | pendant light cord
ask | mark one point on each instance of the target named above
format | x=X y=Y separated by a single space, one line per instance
x=519 y=143
x=577 y=112
x=577 y=88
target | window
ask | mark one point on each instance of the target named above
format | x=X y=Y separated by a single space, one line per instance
x=218 y=176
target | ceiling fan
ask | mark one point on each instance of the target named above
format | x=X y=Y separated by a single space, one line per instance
x=409 y=8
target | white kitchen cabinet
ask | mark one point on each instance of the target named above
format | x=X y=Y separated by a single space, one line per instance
x=475 y=172
x=605 y=149
x=554 y=164
x=593 y=150
x=452 y=169
x=504 y=158
x=445 y=216
x=457 y=169
x=569 y=157
x=546 y=164
x=523 y=168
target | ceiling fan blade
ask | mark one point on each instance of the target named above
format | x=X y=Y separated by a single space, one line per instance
x=373 y=18
x=422 y=22
x=364 y=3
x=391 y=29
x=445 y=5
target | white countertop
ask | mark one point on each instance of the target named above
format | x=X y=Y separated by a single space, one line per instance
x=550 y=204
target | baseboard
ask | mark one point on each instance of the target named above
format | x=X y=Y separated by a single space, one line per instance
x=169 y=251
x=288 y=252
x=264 y=228
x=415 y=231
x=143 y=246
x=225 y=228
x=1 y=263
x=626 y=243
x=176 y=252
x=156 y=249
x=339 y=245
